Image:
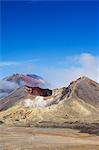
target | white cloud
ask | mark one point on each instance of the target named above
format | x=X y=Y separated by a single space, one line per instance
x=15 y=63
x=8 y=63
x=70 y=68
x=7 y=87
x=84 y=64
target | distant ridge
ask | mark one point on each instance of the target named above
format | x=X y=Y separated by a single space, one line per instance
x=15 y=81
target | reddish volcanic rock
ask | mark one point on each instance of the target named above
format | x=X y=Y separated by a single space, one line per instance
x=38 y=91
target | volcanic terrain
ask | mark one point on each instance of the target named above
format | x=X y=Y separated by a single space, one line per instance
x=34 y=106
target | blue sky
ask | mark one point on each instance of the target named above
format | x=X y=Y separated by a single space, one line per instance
x=40 y=35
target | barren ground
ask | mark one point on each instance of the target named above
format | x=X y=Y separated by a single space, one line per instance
x=23 y=138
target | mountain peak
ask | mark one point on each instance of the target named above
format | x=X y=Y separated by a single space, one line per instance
x=18 y=80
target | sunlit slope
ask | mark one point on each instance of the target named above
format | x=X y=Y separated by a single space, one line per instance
x=79 y=101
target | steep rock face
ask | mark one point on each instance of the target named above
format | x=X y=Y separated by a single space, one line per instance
x=85 y=89
x=38 y=91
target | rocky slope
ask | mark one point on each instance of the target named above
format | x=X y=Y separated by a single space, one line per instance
x=77 y=102
x=20 y=94
x=11 y=83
